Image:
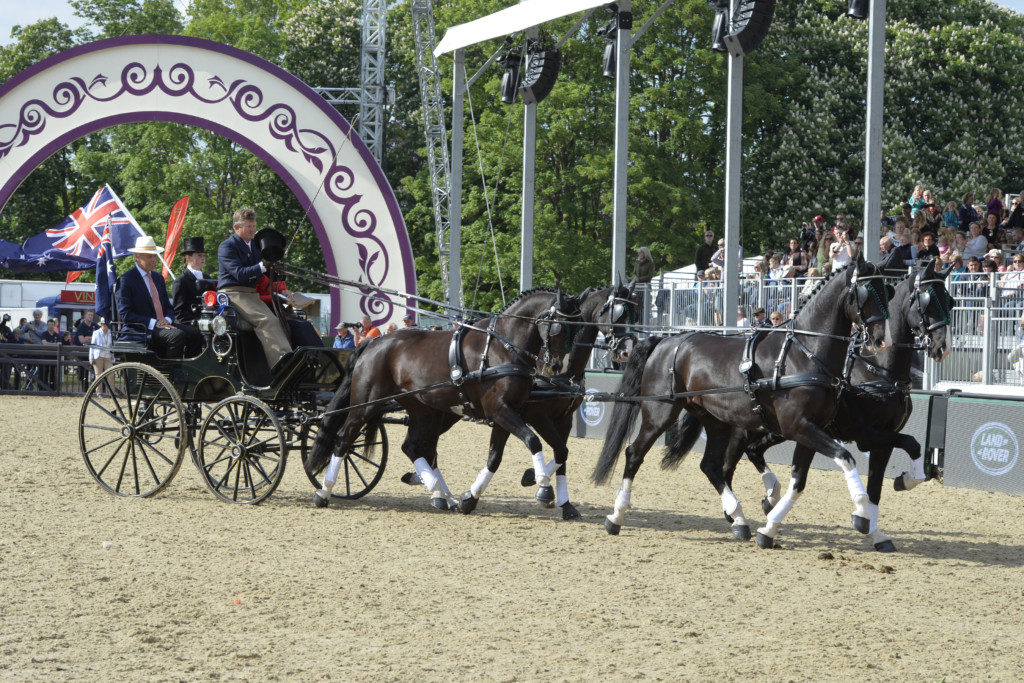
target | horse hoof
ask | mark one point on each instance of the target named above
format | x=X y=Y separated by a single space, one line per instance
x=861 y=524
x=611 y=527
x=468 y=503
x=439 y=504
x=765 y=542
x=529 y=478
x=898 y=483
x=766 y=505
x=569 y=511
x=411 y=478
x=546 y=496
x=728 y=517
x=320 y=502
x=886 y=546
x=741 y=531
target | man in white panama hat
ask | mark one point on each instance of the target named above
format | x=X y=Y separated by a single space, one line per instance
x=145 y=311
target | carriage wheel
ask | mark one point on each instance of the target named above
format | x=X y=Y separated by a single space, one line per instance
x=362 y=467
x=130 y=430
x=241 y=454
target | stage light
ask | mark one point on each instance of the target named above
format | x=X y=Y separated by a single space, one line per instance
x=858 y=9
x=721 y=26
x=512 y=78
x=609 y=32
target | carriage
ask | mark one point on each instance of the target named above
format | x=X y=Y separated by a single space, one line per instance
x=237 y=420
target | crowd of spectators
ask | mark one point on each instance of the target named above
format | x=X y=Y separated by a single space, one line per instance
x=47 y=333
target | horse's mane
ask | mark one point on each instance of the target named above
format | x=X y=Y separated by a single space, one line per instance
x=528 y=292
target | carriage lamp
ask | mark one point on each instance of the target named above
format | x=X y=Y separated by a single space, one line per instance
x=219 y=325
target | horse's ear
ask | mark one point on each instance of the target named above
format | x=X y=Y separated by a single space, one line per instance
x=945 y=271
x=929 y=270
x=560 y=300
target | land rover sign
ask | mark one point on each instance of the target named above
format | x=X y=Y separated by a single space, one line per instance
x=994 y=448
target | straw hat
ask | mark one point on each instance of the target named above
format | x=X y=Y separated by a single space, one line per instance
x=145 y=245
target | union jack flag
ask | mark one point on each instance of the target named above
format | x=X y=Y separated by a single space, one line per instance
x=80 y=233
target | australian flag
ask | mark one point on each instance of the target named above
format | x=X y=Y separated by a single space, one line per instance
x=79 y=235
x=105 y=275
x=12 y=256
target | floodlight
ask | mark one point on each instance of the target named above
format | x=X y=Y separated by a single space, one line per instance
x=858 y=9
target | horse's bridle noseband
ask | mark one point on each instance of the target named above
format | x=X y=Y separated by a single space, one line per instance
x=862 y=287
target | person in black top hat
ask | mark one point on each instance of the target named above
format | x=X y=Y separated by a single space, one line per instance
x=187 y=290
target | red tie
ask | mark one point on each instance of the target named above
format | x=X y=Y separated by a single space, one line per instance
x=156 y=299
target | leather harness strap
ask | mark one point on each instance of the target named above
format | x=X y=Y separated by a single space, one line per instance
x=459 y=377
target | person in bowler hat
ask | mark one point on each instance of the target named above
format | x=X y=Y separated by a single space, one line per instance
x=187 y=290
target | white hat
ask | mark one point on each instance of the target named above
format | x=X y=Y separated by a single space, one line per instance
x=145 y=245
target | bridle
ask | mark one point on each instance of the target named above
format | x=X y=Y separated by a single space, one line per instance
x=863 y=288
x=924 y=296
x=556 y=321
x=622 y=314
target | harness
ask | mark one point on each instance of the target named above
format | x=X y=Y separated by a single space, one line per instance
x=459 y=377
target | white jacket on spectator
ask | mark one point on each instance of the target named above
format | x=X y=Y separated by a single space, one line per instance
x=99 y=339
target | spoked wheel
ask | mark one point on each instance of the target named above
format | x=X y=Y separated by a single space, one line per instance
x=363 y=463
x=242 y=451
x=131 y=432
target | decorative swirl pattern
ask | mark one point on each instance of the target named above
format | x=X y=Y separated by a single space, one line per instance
x=247 y=100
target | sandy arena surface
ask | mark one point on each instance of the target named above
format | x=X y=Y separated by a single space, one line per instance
x=385 y=588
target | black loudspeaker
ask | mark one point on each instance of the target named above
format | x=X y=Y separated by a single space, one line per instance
x=750 y=25
x=858 y=9
x=541 y=74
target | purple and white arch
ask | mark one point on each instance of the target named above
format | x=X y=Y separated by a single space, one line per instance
x=244 y=98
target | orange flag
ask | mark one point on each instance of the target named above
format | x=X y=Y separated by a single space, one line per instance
x=174 y=225
x=72 y=276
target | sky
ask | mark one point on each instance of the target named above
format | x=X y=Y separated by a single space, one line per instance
x=21 y=12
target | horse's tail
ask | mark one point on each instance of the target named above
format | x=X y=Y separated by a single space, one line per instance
x=681 y=436
x=625 y=412
x=334 y=418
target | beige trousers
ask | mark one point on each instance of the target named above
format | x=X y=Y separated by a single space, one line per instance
x=268 y=328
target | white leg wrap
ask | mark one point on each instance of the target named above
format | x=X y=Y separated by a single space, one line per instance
x=877 y=537
x=772 y=488
x=542 y=470
x=622 y=504
x=561 y=490
x=426 y=474
x=331 y=476
x=916 y=474
x=482 y=480
x=856 y=487
x=779 y=512
x=729 y=502
x=442 y=485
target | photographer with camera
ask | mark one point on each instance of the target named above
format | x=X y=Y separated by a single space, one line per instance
x=345 y=338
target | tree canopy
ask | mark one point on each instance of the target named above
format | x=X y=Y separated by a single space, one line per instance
x=950 y=89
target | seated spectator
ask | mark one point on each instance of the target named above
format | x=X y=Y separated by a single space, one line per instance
x=1016 y=217
x=991 y=226
x=967 y=213
x=33 y=331
x=977 y=243
x=928 y=247
x=145 y=310
x=989 y=266
x=775 y=269
x=960 y=242
x=775 y=319
x=931 y=212
x=409 y=321
x=996 y=257
x=1011 y=284
x=741 y=319
x=390 y=328
x=759 y=318
x=345 y=339
x=958 y=266
x=972 y=267
x=844 y=251
x=950 y=219
x=916 y=201
x=366 y=331
x=718 y=259
x=944 y=244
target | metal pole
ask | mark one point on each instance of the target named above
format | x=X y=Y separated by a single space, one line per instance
x=873 y=155
x=455 y=230
x=623 y=40
x=733 y=161
x=529 y=177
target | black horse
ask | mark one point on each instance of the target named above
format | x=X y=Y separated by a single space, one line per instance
x=609 y=310
x=488 y=370
x=792 y=380
x=875 y=405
